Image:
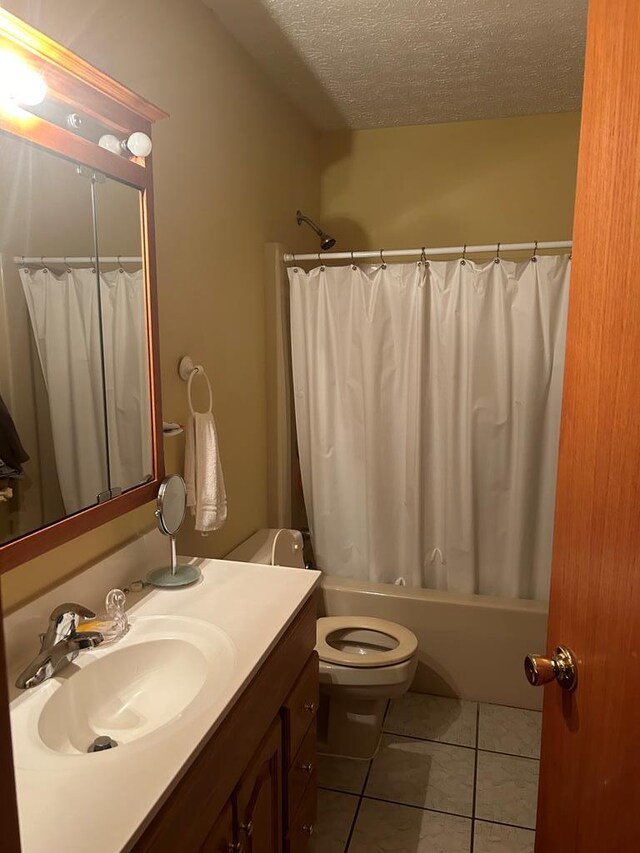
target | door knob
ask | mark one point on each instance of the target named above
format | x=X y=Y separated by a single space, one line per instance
x=560 y=667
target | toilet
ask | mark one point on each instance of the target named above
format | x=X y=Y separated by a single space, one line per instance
x=364 y=661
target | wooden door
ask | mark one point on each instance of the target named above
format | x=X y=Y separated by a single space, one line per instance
x=259 y=797
x=590 y=774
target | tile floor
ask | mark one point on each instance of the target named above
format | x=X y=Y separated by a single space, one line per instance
x=450 y=777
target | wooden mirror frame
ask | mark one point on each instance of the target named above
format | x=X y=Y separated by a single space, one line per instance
x=75 y=83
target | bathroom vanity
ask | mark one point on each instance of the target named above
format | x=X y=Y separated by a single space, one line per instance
x=253 y=786
x=212 y=698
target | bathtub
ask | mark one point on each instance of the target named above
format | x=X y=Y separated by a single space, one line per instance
x=469 y=646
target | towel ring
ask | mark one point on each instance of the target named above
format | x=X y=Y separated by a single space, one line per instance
x=199 y=370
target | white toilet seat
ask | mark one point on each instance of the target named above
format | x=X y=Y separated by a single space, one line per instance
x=405 y=641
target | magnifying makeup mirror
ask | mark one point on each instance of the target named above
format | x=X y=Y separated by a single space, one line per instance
x=172 y=504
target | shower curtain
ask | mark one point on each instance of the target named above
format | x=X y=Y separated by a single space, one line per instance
x=64 y=314
x=427 y=401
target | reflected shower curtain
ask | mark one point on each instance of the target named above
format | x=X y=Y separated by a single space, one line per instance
x=127 y=372
x=64 y=313
x=427 y=410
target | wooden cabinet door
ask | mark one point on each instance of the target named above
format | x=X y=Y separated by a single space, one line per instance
x=259 y=797
x=221 y=839
x=589 y=791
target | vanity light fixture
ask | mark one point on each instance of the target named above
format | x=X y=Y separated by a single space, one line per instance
x=74 y=121
x=138 y=144
x=19 y=82
x=111 y=143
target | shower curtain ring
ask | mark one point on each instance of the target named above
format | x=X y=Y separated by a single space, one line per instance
x=463 y=260
x=497 y=260
x=353 y=263
x=120 y=269
x=322 y=266
x=423 y=256
x=384 y=263
x=535 y=251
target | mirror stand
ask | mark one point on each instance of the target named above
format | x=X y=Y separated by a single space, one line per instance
x=172 y=504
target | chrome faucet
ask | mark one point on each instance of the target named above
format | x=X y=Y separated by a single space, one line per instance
x=60 y=644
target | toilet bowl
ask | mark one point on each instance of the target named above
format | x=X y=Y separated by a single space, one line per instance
x=364 y=661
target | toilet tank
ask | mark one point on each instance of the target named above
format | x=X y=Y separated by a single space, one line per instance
x=271 y=546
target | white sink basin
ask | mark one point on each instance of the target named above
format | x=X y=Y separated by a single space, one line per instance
x=165 y=670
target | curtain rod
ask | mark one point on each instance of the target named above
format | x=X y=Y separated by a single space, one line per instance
x=120 y=259
x=383 y=254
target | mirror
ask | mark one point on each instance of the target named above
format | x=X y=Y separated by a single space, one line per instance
x=125 y=346
x=172 y=505
x=75 y=413
x=51 y=370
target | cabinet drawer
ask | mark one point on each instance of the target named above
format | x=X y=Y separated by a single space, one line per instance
x=303 y=767
x=301 y=707
x=302 y=824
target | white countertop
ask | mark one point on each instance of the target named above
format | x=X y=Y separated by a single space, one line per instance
x=101 y=803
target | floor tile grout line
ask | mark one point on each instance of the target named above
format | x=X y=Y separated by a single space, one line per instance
x=364 y=784
x=363 y=796
x=475 y=782
x=440 y=811
x=508 y=754
x=339 y=791
x=502 y=823
x=461 y=745
x=357 y=811
x=477 y=702
x=510 y=707
x=413 y=806
x=428 y=739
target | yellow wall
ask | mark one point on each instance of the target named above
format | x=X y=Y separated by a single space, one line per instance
x=509 y=179
x=231 y=166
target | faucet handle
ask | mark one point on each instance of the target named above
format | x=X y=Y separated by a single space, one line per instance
x=63 y=621
x=71 y=608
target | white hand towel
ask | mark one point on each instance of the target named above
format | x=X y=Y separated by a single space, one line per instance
x=206 y=494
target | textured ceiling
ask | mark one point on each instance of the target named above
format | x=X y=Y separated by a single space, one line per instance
x=379 y=63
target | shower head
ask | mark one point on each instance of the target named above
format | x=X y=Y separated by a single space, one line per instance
x=326 y=242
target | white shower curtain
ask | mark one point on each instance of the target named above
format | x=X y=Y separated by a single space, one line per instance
x=64 y=314
x=427 y=410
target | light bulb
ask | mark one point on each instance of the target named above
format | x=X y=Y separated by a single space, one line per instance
x=111 y=143
x=139 y=144
x=19 y=82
